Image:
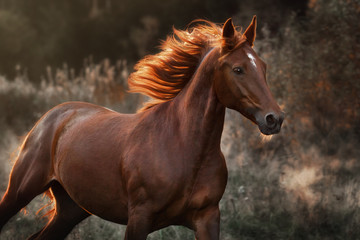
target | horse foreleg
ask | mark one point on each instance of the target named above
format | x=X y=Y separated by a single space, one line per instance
x=207 y=224
x=138 y=226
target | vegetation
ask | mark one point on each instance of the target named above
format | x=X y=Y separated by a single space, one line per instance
x=303 y=183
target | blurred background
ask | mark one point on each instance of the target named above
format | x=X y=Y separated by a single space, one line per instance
x=303 y=183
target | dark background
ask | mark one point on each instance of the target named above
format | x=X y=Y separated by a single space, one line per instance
x=38 y=33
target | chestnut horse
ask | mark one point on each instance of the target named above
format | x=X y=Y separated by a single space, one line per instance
x=161 y=166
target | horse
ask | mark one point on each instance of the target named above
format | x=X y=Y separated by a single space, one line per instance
x=160 y=166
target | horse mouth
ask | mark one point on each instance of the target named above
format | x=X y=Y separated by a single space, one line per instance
x=269 y=131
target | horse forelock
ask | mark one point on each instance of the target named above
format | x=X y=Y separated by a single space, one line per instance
x=163 y=75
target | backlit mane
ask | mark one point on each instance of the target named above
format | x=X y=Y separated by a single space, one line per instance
x=163 y=75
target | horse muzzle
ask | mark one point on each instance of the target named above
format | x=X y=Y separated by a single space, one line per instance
x=270 y=123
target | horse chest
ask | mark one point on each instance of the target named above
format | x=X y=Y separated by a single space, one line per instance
x=208 y=186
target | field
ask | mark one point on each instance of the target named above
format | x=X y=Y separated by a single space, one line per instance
x=303 y=183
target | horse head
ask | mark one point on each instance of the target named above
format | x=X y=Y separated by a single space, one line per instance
x=240 y=80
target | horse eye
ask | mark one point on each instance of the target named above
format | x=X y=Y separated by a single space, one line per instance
x=238 y=70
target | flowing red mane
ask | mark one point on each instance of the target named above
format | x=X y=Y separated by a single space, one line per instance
x=163 y=75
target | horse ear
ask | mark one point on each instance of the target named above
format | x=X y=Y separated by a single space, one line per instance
x=250 y=32
x=228 y=30
x=228 y=34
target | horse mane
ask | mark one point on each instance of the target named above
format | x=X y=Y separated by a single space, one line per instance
x=163 y=75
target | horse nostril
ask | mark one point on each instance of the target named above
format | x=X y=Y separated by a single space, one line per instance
x=270 y=120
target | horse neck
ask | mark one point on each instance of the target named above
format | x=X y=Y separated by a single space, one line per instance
x=200 y=112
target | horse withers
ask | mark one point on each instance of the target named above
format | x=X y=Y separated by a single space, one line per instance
x=161 y=166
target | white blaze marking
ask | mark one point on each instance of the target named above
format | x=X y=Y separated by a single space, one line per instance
x=252 y=59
